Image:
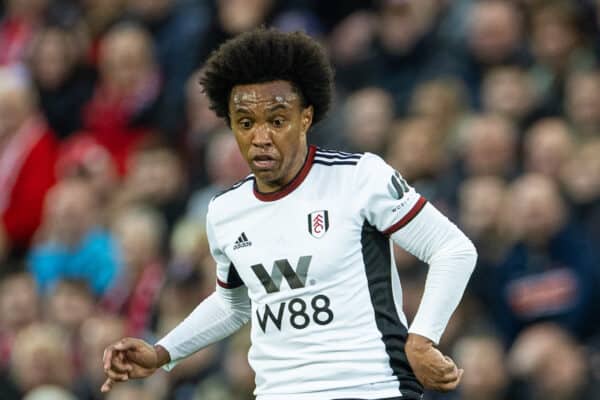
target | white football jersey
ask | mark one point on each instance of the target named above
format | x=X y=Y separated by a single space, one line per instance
x=317 y=261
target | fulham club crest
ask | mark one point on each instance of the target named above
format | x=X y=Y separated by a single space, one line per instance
x=318 y=223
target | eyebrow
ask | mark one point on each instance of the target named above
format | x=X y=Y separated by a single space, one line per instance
x=278 y=106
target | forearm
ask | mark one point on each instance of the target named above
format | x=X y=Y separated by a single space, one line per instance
x=218 y=316
x=451 y=257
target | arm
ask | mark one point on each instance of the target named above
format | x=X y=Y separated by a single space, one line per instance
x=218 y=316
x=451 y=256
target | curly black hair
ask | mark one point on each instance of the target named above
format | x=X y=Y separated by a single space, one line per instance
x=266 y=55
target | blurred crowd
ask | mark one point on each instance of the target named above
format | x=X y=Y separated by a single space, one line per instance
x=109 y=156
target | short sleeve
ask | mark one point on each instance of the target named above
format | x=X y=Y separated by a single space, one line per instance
x=386 y=201
x=227 y=276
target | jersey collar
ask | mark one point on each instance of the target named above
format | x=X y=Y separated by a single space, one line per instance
x=291 y=185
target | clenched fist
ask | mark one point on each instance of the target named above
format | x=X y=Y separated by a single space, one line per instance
x=434 y=370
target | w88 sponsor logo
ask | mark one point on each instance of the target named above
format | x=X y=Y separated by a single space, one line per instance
x=300 y=313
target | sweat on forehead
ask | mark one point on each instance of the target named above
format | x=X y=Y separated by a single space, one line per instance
x=270 y=92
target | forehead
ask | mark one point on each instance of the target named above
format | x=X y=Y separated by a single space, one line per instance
x=268 y=92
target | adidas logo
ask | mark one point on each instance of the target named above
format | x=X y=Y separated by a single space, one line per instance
x=242 y=241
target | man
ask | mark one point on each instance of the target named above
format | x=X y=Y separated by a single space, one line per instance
x=302 y=247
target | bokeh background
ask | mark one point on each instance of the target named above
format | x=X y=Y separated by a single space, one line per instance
x=109 y=156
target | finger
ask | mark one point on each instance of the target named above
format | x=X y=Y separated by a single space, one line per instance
x=450 y=385
x=106 y=357
x=125 y=344
x=117 y=376
x=107 y=385
x=119 y=364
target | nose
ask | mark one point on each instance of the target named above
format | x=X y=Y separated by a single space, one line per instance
x=262 y=136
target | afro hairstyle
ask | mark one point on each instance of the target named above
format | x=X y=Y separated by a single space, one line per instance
x=266 y=55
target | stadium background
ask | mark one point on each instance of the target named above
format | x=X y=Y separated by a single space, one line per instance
x=109 y=155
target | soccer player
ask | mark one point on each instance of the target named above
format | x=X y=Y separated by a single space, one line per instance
x=303 y=247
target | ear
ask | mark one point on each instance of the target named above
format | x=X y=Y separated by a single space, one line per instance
x=307 y=118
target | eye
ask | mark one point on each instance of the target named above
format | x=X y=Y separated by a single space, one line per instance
x=245 y=123
x=278 y=122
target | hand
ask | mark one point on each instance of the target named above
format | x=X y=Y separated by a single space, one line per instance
x=434 y=370
x=131 y=358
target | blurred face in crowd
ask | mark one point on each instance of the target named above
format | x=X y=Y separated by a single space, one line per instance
x=156 y=175
x=548 y=145
x=126 y=58
x=70 y=304
x=583 y=102
x=508 y=91
x=550 y=360
x=402 y=23
x=70 y=211
x=200 y=118
x=41 y=356
x=18 y=302
x=369 y=114
x=16 y=103
x=440 y=101
x=96 y=333
x=489 y=146
x=494 y=30
x=485 y=375
x=554 y=34
x=139 y=233
x=538 y=211
x=415 y=149
x=270 y=125
x=224 y=163
x=237 y=16
x=581 y=174
x=54 y=56
x=480 y=204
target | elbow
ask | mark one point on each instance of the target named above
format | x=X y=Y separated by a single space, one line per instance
x=470 y=253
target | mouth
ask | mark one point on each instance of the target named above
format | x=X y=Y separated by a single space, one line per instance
x=264 y=162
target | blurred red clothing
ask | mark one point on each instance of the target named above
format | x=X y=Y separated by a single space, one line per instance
x=27 y=162
x=135 y=301
x=15 y=36
x=111 y=119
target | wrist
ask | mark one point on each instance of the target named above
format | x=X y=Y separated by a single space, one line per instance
x=162 y=356
x=418 y=342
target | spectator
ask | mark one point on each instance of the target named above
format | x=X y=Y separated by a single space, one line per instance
x=224 y=165
x=549 y=273
x=19 y=307
x=489 y=147
x=39 y=350
x=582 y=103
x=72 y=242
x=369 y=113
x=558 y=48
x=508 y=91
x=548 y=145
x=27 y=156
x=178 y=29
x=139 y=232
x=552 y=363
x=487 y=377
x=69 y=304
x=121 y=113
x=494 y=37
x=64 y=83
x=443 y=102
x=155 y=178
x=416 y=149
x=581 y=179
x=95 y=334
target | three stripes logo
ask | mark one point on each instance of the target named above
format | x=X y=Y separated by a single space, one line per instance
x=242 y=241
